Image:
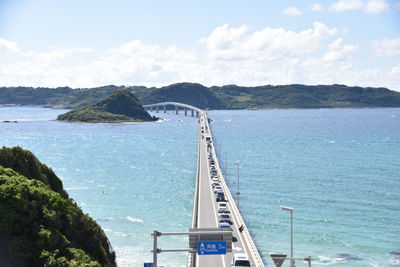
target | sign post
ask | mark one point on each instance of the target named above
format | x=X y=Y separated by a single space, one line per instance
x=211 y=247
x=210 y=240
x=278 y=259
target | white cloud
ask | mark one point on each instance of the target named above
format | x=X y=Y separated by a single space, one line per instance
x=265 y=45
x=223 y=37
x=9 y=46
x=387 y=47
x=346 y=5
x=370 y=7
x=376 y=6
x=338 y=52
x=228 y=55
x=396 y=70
x=316 y=7
x=292 y=11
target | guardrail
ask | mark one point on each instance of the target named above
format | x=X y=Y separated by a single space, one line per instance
x=235 y=211
x=192 y=256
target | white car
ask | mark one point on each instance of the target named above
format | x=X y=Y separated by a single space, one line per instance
x=222 y=207
x=240 y=260
x=214 y=184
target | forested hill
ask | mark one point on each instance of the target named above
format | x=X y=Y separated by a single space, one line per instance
x=40 y=226
x=215 y=97
x=120 y=106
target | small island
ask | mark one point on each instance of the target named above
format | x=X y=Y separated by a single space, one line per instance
x=120 y=106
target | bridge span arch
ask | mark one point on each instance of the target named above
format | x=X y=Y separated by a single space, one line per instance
x=177 y=105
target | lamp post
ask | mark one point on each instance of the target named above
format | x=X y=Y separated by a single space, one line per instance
x=237 y=192
x=292 y=263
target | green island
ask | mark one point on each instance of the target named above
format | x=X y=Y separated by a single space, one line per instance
x=120 y=106
x=39 y=224
x=214 y=97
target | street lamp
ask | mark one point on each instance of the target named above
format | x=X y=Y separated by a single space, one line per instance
x=292 y=263
x=237 y=192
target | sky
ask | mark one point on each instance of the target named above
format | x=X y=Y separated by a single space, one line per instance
x=90 y=43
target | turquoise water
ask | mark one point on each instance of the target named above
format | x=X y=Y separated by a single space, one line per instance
x=338 y=168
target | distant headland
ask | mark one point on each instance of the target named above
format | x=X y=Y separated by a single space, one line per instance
x=214 y=97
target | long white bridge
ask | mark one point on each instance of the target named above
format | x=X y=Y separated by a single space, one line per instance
x=205 y=207
x=163 y=106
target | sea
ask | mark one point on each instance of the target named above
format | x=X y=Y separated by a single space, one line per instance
x=339 y=169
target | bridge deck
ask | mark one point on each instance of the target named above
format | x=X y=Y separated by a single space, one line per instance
x=205 y=209
x=208 y=209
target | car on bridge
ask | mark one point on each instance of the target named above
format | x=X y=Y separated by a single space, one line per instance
x=224 y=217
x=217 y=189
x=223 y=207
x=215 y=183
x=219 y=192
x=220 y=196
x=240 y=260
x=224 y=225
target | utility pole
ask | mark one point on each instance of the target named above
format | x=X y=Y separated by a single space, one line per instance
x=292 y=263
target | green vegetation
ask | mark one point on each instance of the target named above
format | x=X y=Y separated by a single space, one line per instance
x=41 y=227
x=215 y=97
x=302 y=96
x=188 y=93
x=118 y=107
x=25 y=163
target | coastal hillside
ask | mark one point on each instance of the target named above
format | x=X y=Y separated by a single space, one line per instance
x=120 y=106
x=215 y=97
x=25 y=163
x=188 y=93
x=41 y=227
x=302 y=96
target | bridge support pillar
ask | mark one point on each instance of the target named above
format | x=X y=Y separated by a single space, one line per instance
x=151 y=109
x=165 y=109
x=185 y=112
x=156 y=109
x=176 y=110
x=197 y=114
x=192 y=112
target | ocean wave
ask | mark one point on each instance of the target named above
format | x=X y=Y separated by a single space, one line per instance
x=108 y=230
x=131 y=219
x=77 y=188
x=105 y=219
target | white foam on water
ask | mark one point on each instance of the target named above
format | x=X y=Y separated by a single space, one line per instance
x=325 y=260
x=76 y=188
x=108 y=230
x=134 y=219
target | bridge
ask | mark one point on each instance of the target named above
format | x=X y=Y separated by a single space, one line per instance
x=205 y=207
x=163 y=106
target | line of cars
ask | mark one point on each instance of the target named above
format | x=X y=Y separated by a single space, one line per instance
x=224 y=218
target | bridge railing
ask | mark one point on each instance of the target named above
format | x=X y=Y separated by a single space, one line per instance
x=192 y=256
x=176 y=104
x=235 y=211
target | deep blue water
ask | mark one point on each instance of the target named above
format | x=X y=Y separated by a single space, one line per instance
x=338 y=168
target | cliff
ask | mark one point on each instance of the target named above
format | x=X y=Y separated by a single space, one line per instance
x=42 y=227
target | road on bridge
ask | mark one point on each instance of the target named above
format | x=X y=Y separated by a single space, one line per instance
x=207 y=205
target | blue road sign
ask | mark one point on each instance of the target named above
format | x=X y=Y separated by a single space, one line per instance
x=148 y=264
x=211 y=247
